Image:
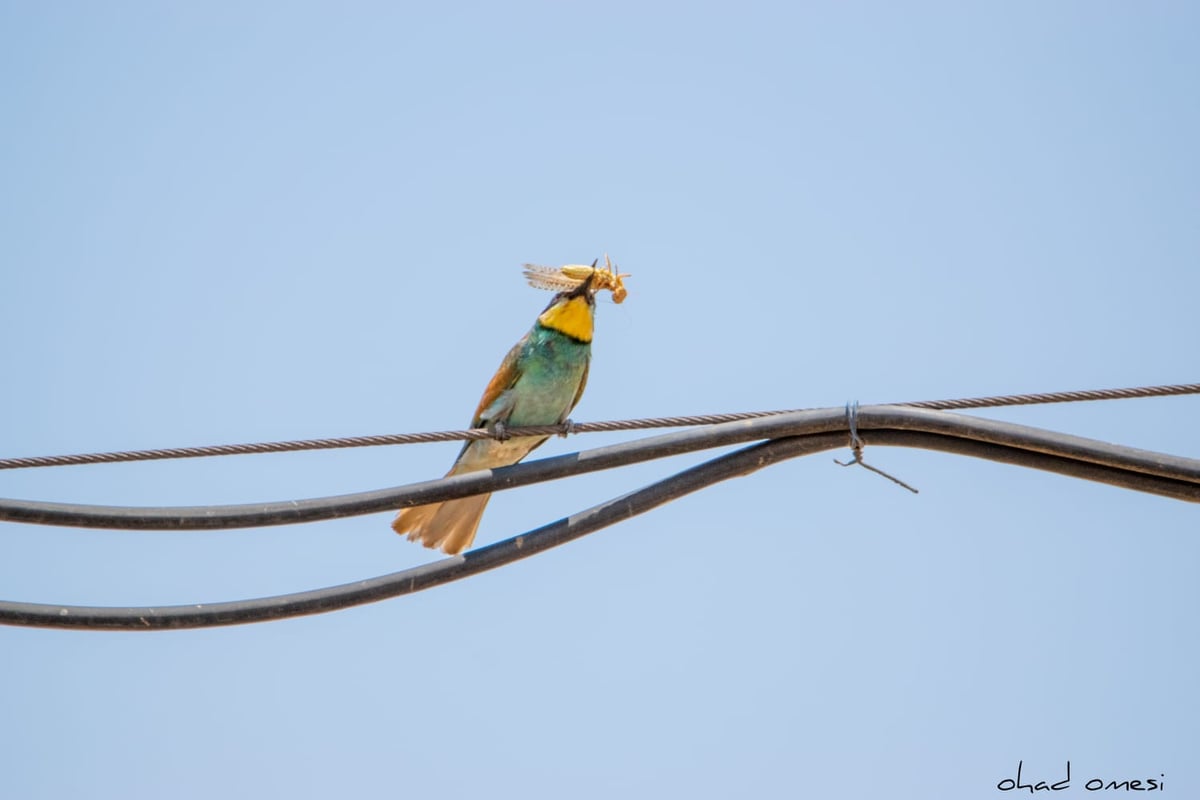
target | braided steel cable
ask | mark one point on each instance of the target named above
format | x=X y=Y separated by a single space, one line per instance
x=1058 y=397
x=565 y=429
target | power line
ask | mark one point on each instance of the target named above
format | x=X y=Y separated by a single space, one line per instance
x=407 y=581
x=1059 y=397
x=1177 y=477
x=565 y=429
x=789 y=436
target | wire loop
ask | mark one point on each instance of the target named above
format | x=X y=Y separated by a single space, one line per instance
x=856 y=447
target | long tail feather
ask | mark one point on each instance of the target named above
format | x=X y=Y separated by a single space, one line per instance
x=450 y=526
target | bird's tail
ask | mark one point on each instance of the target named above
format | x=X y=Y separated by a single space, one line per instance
x=450 y=525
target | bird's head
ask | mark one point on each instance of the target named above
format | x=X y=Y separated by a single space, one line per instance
x=571 y=312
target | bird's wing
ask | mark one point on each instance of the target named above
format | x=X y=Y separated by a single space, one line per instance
x=578 y=392
x=494 y=395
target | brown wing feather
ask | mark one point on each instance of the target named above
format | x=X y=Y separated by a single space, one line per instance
x=504 y=379
x=579 y=392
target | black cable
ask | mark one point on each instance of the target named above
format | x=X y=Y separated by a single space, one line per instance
x=738 y=463
x=1163 y=474
x=1169 y=476
x=409 y=580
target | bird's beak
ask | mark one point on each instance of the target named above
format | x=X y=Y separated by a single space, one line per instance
x=585 y=288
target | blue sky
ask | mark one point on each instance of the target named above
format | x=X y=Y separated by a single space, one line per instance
x=225 y=223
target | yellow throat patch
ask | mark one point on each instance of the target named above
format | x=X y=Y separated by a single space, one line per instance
x=572 y=317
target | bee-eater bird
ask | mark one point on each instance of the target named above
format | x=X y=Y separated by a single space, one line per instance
x=538 y=383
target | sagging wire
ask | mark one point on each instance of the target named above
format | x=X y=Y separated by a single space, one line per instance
x=787 y=435
x=874 y=418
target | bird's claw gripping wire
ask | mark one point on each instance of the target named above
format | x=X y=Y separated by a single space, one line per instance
x=499 y=431
x=566 y=428
x=857 y=445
